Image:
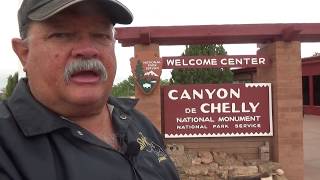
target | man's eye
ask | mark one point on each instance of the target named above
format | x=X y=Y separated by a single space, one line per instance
x=61 y=35
x=102 y=36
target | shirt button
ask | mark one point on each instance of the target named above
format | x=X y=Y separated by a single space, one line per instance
x=80 y=133
x=123 y=116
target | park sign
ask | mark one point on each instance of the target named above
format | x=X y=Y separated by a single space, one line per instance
x=220 y=61
x=217 y=110
x=146 y=73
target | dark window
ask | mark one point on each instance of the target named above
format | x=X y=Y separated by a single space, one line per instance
x=316 y=90
x=305 y=88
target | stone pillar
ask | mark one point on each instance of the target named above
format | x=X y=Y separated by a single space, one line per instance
x=285 y=76
x=150 y=104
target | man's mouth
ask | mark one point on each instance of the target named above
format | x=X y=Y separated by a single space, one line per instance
x=85 y=77
x=87 y=71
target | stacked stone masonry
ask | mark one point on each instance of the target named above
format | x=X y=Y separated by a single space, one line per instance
x=210 y=165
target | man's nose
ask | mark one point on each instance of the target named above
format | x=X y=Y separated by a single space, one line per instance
x=85 y=48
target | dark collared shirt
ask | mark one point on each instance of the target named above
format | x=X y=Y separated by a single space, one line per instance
x=38 y=144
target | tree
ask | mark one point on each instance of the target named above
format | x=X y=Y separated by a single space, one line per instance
x=316 y=54
x=2 y=94
x=139 y=70
x=125 y=88
x=204 y=75
x=164 y=82
x=11 y=84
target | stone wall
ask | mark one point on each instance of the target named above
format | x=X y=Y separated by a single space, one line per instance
x=210 y=165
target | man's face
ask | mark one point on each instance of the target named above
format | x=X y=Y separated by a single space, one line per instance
x=63 y=39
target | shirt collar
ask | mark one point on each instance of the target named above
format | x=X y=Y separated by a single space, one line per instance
x=33 y=118
x=121 y=113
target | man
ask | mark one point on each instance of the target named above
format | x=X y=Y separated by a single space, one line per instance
x=60 y=123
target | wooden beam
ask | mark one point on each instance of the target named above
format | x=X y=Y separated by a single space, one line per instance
x=218 y=34
x=145 y=38
x=290 y=34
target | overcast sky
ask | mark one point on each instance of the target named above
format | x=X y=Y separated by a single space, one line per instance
x=177 y=12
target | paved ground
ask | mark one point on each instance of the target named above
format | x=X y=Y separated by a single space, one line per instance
x=311 y=126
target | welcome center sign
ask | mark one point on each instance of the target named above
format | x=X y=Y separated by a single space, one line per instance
x=217 y=110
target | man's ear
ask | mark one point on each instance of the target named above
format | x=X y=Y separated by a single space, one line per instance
x=20 y=47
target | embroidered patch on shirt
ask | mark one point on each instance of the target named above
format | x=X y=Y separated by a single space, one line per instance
x=151 y=147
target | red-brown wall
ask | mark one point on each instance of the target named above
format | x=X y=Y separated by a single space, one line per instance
x=311 y=67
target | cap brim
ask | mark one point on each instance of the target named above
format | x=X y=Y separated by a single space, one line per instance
x=117 y=12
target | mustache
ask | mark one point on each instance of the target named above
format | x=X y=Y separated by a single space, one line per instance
x=81 y=65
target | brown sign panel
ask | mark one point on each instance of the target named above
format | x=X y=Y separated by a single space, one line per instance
x=214 y=61
x=217 y=110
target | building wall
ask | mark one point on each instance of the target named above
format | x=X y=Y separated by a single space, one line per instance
x=311 y=86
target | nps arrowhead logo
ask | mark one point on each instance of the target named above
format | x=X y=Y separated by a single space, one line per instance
x=146 y=73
